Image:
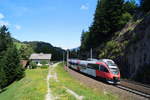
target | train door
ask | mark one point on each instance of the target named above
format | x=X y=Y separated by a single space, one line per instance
x=91 y=69
x=83 y=68
x=103 y=71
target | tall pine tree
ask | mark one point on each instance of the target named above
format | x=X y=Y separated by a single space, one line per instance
x=145 y=5
x=110 y=16
x=107 y=19
x=10 y=69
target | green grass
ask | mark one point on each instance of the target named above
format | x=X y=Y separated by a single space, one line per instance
x=32 y=87
x=65 y=80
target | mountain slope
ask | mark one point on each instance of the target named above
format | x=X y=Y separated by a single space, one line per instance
x=43 y=47
x=28 y=47
x=130 y=48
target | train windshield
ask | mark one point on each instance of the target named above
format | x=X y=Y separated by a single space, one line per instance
x=114 y=71
x=110 y=63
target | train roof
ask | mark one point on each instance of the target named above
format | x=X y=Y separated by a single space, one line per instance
x=91 y=61
x=105 y=60
x=85 y=62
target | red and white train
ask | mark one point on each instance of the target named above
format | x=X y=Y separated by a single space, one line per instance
x=103 y=68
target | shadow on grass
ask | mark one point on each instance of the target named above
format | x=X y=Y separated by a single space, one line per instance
x=3 y=90
x=17 y=79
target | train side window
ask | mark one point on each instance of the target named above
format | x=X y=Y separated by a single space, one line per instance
x=106 y=70
x=93 y=66
x=83 y=66
x=103 y=68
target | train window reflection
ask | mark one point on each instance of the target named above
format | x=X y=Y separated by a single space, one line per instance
x=110 y=63
x=103 y=68
x=93 y=66
x=114 y=71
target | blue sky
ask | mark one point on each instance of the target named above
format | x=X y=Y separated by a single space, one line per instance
x=59 y=22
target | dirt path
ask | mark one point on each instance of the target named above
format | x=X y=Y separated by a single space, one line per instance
x=74 y=94
x=53 y=75
x=100 y=86
x=49 y=95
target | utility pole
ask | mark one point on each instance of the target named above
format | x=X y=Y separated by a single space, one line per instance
x=91 y=54
x=63 y=58
x=67 y=57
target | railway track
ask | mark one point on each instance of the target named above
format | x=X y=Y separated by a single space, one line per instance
x=134 y=87
x=137 y=83
x=130 y=86
x=134 y=91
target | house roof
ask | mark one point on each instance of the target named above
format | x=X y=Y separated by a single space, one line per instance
x=24 y=63
x=40 y=56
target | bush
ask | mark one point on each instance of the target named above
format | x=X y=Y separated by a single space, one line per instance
x=19 y=73
x=113 y=49
x=44 y=66
x=2 y=78
x=33 y=65
x=126 y=17
x=44 y=62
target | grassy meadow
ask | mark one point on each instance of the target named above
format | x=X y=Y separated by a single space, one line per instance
x=31 y=87
x=34 y=87
x=64 y=80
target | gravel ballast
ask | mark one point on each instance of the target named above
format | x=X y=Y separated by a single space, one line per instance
x=101 y=86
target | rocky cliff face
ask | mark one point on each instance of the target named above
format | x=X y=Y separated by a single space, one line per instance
x=137 y=52
x=130 y=49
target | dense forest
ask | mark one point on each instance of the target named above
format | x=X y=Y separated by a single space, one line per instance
x=26 y=48
x=110 y=17
x=10 y=68
x=43 y=47
x=115 y=32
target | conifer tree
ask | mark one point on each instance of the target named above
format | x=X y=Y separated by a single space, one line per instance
x=10 y=69
x=110 y=16
x=2 y=76
x=107 y=19
x=145 y=5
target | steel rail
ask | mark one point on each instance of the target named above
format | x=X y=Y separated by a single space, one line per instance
x=134 y=91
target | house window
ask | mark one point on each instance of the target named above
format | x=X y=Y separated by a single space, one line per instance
x=36 y=62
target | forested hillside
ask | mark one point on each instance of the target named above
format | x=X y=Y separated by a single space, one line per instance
x=27 y=48
x=43 y=47
x=10 y=68
x=120 y=31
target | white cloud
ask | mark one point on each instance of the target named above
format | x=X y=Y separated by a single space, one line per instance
x=18 y=27
x=1 y=16
x=84 y=7
x=4 y=23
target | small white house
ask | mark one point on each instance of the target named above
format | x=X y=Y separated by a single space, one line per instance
x=40 y=58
